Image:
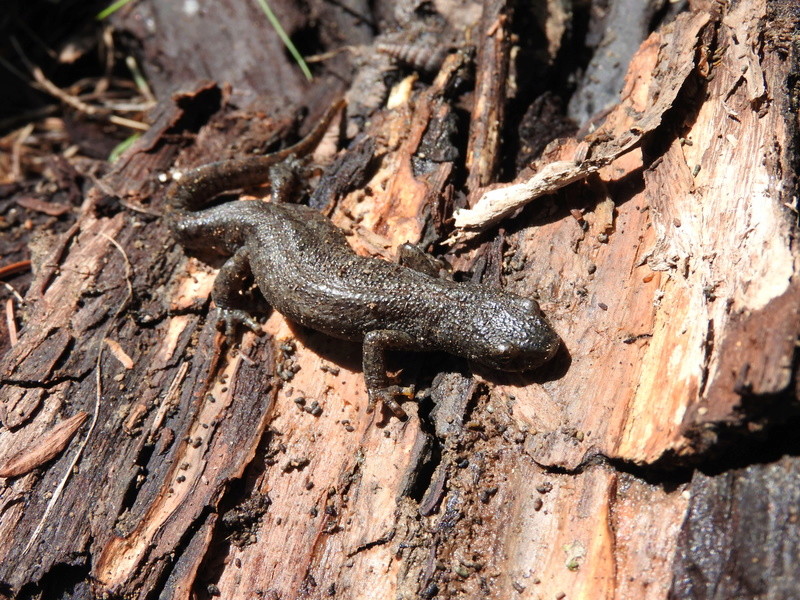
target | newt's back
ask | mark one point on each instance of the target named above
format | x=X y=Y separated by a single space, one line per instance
x=307 y=271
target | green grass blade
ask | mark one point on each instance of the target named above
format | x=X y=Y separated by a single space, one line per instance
x=122 y=146
x=111 y=9
x=285 y=39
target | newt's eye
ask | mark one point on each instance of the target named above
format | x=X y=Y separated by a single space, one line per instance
x=531 y=306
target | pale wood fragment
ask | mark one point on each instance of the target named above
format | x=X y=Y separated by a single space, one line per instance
x=620 y=133
x=48 y=447
x=120 y=354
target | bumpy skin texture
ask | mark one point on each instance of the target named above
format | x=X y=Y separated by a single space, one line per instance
x=308 y=272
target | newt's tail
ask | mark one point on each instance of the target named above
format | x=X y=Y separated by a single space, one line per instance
x=191 y=190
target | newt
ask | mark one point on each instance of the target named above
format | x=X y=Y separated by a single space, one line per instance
x=307 y=271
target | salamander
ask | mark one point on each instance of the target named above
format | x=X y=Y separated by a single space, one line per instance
x=307 y=271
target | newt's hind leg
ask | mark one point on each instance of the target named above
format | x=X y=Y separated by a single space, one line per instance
x=285 y=179
x=229 y=294
x=412 y=257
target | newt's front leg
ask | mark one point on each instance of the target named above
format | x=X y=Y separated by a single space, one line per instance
x=374 y=360
x=233 y=278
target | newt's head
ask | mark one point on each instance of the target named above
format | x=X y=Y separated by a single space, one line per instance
x=514 y=334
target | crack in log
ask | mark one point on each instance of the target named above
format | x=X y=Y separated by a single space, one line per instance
x=196 y=107
x=708 y=352
x=61 y=580
x=168 y=561
x=241 y=509
x=43 y=385
x=738 y=447
x=384 y=539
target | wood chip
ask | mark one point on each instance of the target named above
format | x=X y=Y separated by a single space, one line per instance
x=49 y=446
x=604 y=215
x=119 y=353
x=54 y=209
x=10 y=323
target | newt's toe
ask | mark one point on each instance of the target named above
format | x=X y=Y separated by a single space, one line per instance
x=229 y=320
x=386 y=396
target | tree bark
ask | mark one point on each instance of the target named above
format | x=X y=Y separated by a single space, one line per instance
x=655 y=457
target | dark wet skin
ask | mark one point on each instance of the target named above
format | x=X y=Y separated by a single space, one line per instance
x=306 y=270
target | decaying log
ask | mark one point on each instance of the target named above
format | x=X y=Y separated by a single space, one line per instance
x=660 y=244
